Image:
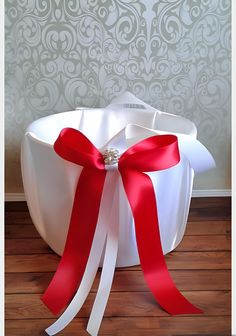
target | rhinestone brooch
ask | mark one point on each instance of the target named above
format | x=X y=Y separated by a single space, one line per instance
x=111 y=156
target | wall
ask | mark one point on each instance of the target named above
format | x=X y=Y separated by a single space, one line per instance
x=175 y=55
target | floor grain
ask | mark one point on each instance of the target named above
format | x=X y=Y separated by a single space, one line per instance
x=200 y=267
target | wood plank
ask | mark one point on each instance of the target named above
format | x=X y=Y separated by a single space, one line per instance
x=213 y=213
x=205 y=243
x=26 y=246
x=208 y=228
x=20 y=231
x=16 y=230
x=31 y=263
x=17 y=283
x=198 y=260
x=218 y=227
x=133 y=326
x=189 y=243
x=18 y=217
x=206 y=208
x=175 y=260
x=196 y=202
x=136 y=304
x=16 y=206
x=209 y=202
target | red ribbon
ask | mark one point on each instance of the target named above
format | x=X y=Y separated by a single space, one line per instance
x=152 y=154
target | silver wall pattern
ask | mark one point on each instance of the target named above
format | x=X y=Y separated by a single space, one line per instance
x=175 y=55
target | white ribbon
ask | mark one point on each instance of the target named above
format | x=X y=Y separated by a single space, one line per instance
x=108 y=268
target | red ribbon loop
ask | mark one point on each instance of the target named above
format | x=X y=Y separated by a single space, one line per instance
x=155 y=153
x=74 y=146
x=152 y=154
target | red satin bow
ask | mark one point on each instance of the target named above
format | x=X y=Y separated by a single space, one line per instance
x=155 y=153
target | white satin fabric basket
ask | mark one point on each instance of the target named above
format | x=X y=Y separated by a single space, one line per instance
x=50 y=182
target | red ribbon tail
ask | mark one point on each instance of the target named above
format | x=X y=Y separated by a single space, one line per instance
x=83 y=222
x=140 y=193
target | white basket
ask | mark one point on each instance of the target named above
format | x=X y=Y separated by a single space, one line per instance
x=50 y=182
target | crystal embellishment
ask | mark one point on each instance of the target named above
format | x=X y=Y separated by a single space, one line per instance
x=111 y=156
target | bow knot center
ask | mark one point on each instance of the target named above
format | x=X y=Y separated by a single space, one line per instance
x=111 y=156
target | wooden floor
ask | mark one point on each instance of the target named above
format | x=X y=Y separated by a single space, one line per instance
x=200 y=266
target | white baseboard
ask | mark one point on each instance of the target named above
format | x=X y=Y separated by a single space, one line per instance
x=19 y=197
x=212 y=193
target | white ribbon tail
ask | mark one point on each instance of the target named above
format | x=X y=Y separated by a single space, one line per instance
x=108 y=269
x=93 y=260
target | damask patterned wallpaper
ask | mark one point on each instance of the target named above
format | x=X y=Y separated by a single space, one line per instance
x=173 y=54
